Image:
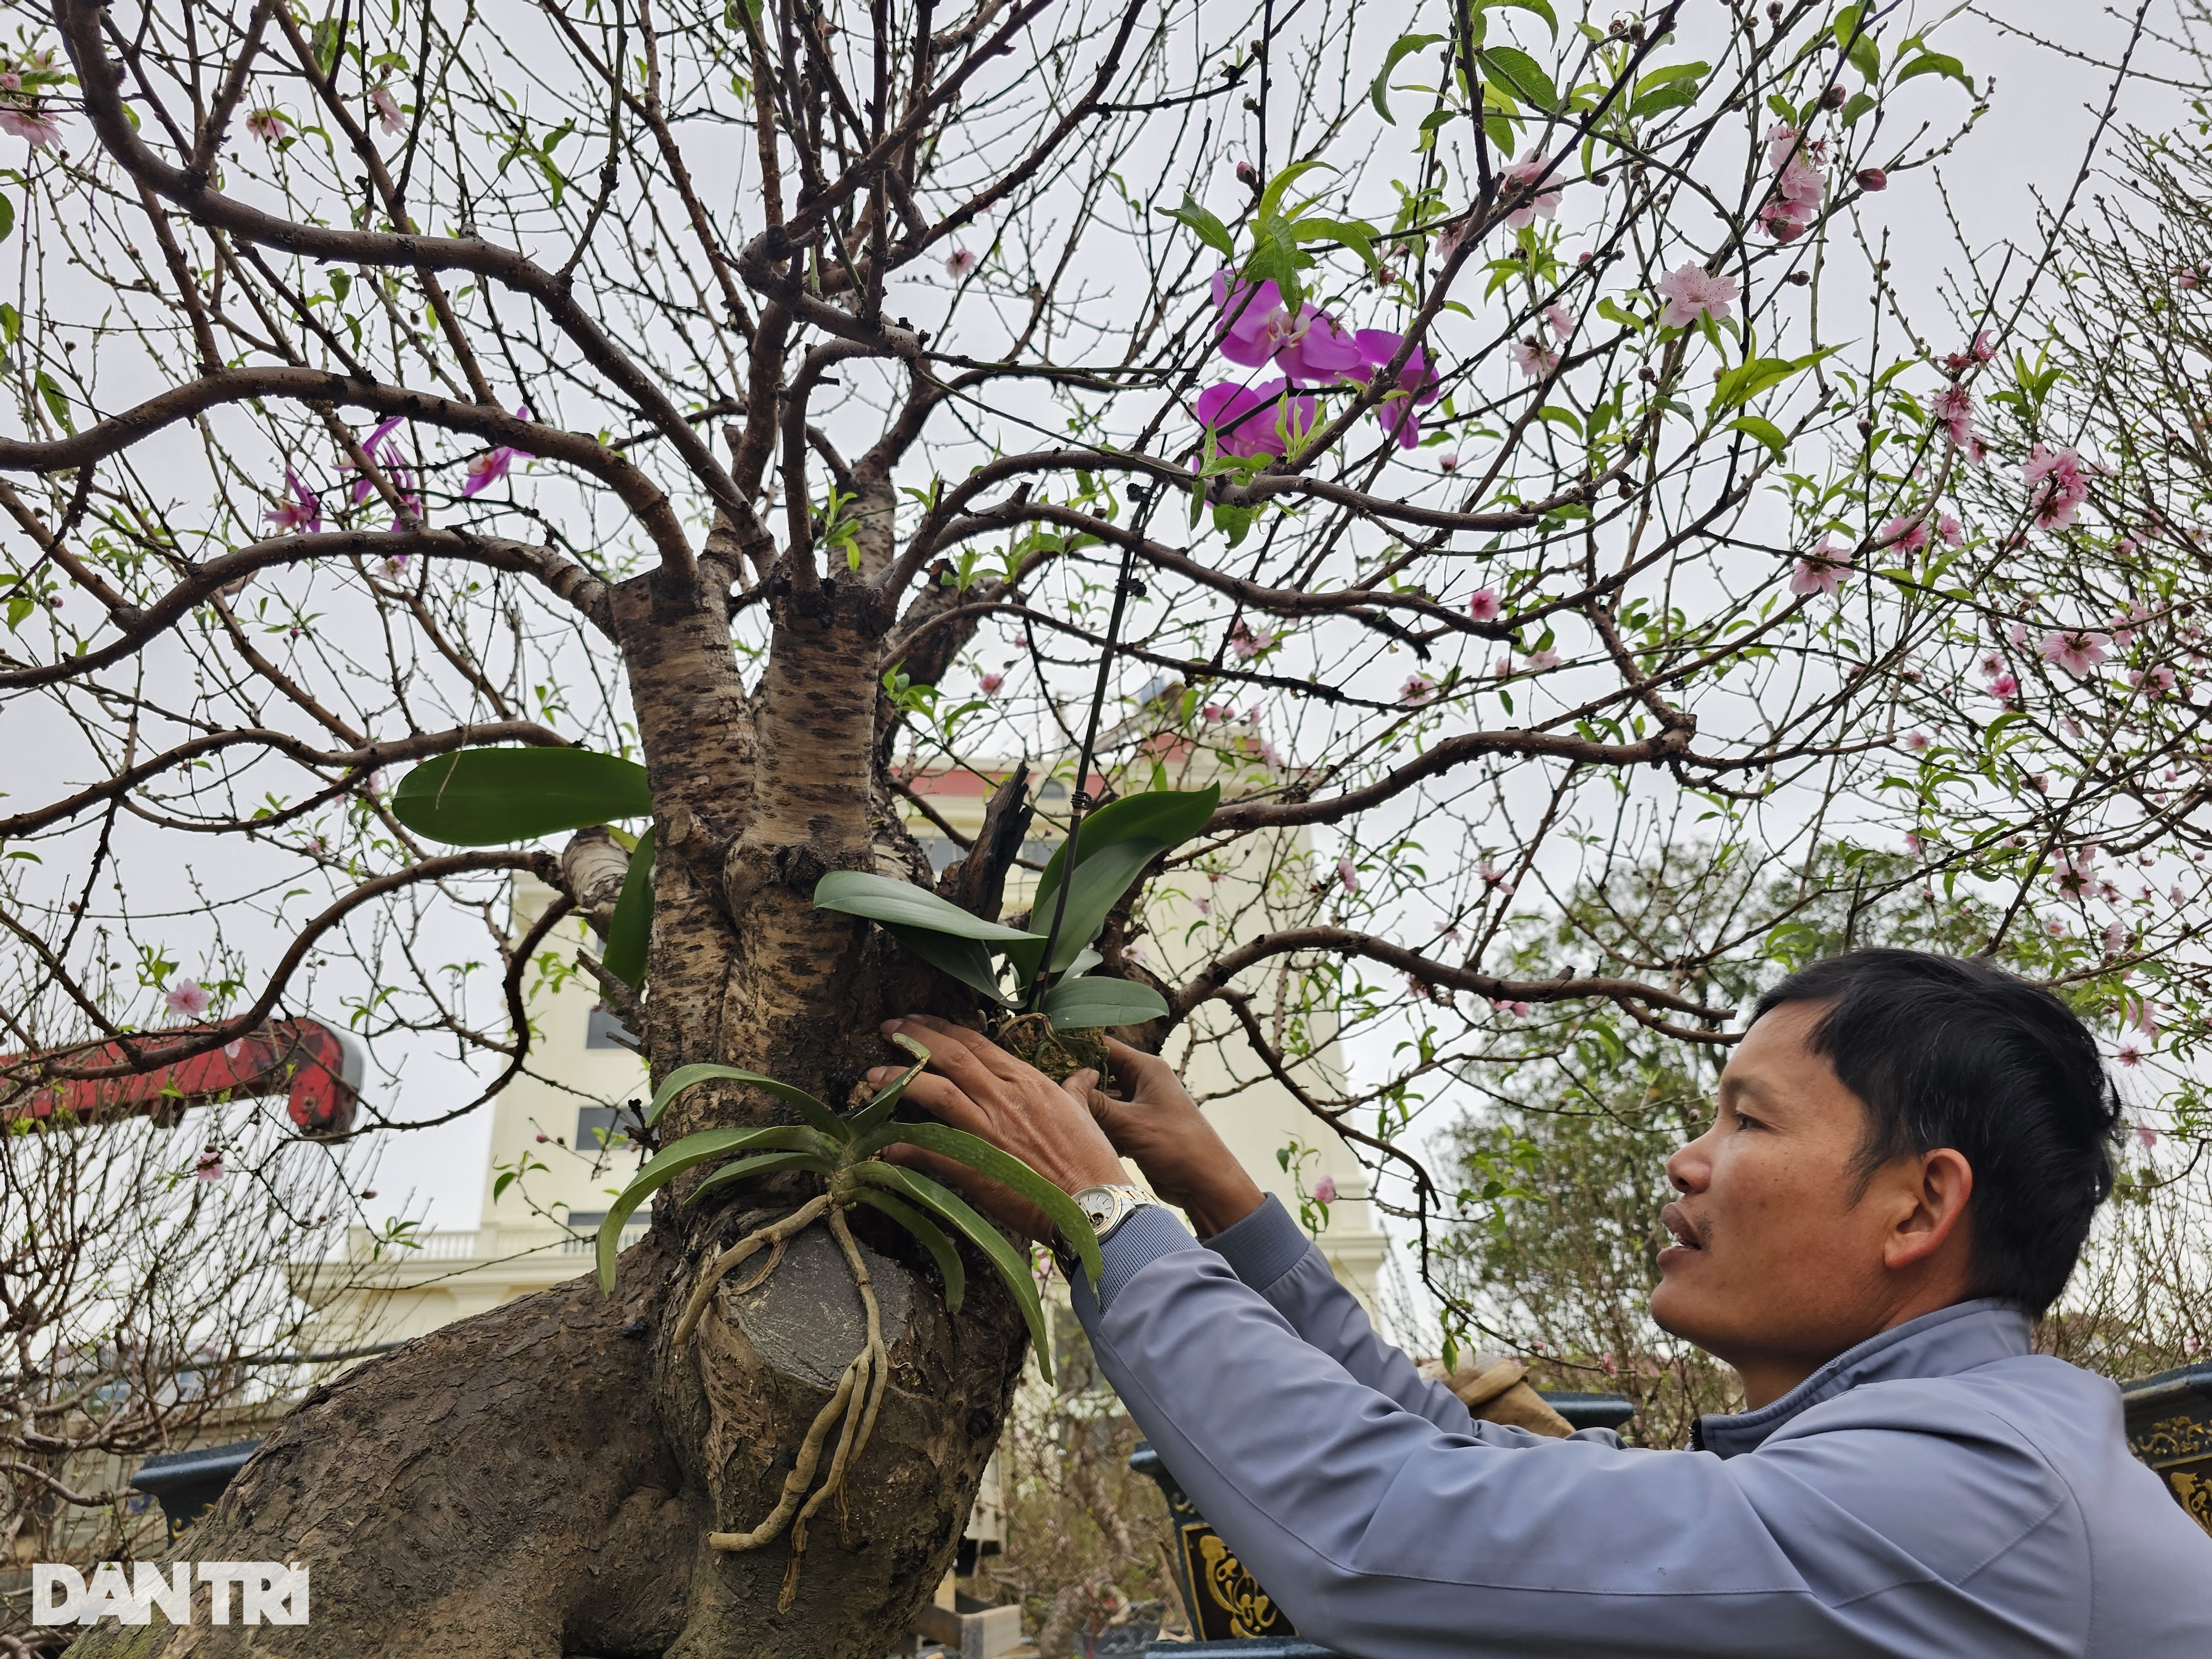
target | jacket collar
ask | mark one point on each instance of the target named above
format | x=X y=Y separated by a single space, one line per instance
x=1944 y=1343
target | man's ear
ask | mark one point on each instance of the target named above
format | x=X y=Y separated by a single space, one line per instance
x=1936 y=1185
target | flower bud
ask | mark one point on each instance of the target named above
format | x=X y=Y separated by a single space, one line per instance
x=1871 y=179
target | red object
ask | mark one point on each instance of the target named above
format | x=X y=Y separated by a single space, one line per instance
x=319 y=1068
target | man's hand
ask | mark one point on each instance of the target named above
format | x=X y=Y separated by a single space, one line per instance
x=1070 y=1134
x=974 y=1084
x=1161 y=1129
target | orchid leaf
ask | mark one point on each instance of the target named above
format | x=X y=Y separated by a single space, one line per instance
x=760 y=1164
x=689 y=1153
x=630 y=930
x=825 y=1120
x=1082 y=1004
x=489 y=797
x=974 y=1153
x=865 y=1119
x=879 y=898
x=932 y=1238
x=966 y=1219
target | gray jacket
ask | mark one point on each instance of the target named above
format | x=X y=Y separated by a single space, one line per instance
x=1936 y=1490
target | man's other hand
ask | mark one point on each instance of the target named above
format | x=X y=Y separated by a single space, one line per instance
x=1161 y=1129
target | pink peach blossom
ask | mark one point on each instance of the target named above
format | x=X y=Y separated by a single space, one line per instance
x=188 y=997
x=1483 y=605
x=2077 y=651
x=1822 y=570
x=1693 y=292
x=1527 y=174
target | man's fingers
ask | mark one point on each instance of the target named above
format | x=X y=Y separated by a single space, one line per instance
x=944 y=1100
x=960 y=1053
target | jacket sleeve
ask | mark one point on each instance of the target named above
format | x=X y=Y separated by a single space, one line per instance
x=1268 y=1252
x=1385 y=1535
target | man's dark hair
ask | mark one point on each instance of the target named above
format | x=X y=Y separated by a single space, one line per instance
x=1947 y=1051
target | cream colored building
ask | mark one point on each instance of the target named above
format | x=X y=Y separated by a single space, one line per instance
x=552 y=1172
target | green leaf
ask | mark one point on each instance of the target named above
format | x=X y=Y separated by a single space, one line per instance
x=1928 y=63
x=1171 y=815
x=1670 y=87
x=932 y=1238
x=1099 y=883
x=1403 y=47
x=1519 y=74
x=1344 y=232
x=1204 y=225
x=760 y=1164
x=485 y=797
x=631 y=928
x=880 y=898
x=878 y=1110
x=1082 y=1004
x=1859 y=105
x=825 y=1120
x=1541 y=8
x=974 y=1153
x=673 y=1160
x=1857 y=43
x=1766 y=431
x=1013 y=1267
x=7 y=223
x=965 y=959
x=1271 y=200
x=324 y=42
x=57 y=402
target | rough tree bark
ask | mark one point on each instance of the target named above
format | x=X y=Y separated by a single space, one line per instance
x=539 y=1481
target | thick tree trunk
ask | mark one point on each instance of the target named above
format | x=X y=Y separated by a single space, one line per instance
x=541 y=1479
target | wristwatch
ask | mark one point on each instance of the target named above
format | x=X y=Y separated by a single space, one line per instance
x=1106 y=1208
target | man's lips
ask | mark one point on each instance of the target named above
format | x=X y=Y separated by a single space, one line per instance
x=1676 y=1220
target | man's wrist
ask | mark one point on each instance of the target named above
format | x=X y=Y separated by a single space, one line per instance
x=1221 y=1204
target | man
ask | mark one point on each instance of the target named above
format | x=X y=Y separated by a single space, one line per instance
x=1906 y=1156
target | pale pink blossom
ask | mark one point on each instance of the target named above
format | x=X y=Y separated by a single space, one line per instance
x=2018 y=634
x=1248 y=642
x=1908 y=531
x=394 y=567
x=1324 y=1190
x=1917 y=741
x=1215 y=713
x=1992 y=664
x=2155 y=682
x=1531 y=359
x=1448 y=462
x=302 y=510
x=1822 y=570
x=1484 y=605
x=960 y=261
x=2057 y=482
x=387 y=108
x=1955 y=407
x=1950 y=530
x=1543 y=659
x=1693 y=292
x=268 y=124
x=991 y=683
x=1348 y=873
x=2077 y=651
x=188 y=997
x=1503 y=666
x=1495 y=879
x=2116 y=938
x=2075 y=875
x=1556 y=314
x=35 y=124
x=1418 y=691
x=2131 y=1053
x=1525 y=174
x=208 y=1165
x=2004 y=688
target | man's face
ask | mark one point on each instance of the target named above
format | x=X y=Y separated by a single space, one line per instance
x=1776 y=1269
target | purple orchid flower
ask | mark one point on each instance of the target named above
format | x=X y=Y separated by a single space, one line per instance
x=1258 y=419
x=303 y=512
x=362 y=489
x=1418 y=385
x=1257 y=329
x=489 y=468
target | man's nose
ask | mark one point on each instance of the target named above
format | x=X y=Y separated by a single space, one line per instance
x=1688 y=1169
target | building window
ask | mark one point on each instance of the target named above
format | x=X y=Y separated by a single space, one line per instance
x=603 y=1030
x=596 y=1127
